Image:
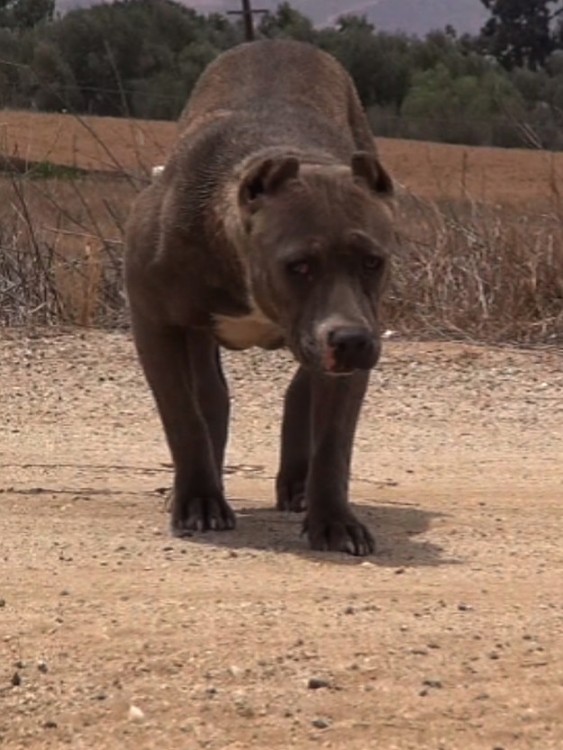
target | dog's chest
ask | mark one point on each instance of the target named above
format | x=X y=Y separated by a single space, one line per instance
x=254 y=329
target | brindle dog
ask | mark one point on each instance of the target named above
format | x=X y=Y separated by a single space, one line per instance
x=270 y=226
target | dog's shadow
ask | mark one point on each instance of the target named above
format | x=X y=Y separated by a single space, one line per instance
x=395 y=527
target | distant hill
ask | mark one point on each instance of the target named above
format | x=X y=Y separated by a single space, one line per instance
x=412 y=16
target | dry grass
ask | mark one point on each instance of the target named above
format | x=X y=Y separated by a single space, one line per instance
x=462 y=270
x=61 y=249
x=482 y=270
x=479 y=272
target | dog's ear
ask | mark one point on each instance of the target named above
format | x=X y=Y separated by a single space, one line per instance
x=368 y=169
x=265 y=179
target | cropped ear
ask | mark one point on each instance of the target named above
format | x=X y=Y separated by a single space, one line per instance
x=367 y=168
x=265 y=179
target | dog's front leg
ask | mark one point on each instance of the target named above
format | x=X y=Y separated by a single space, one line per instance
x=295 y=444
x=176 y=361
x=330 y=523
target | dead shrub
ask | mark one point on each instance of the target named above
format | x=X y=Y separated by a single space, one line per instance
x=476 y=271
x=61 y=250
x=462 y=269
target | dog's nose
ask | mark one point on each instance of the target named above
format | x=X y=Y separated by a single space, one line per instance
x=353 y=347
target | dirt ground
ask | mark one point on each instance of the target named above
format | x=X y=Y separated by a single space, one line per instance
x=431 y=170
x=114 y=635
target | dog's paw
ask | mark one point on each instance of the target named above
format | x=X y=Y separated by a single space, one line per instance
x=341 y=533
x=290 y=496
x=201 y=513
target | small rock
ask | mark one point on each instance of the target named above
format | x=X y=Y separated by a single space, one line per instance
x=349 y=610
x=50 y=724
x=2 y=603
x=42 y=667
x=464 y=607
x=433 y=684
x=16 y=680
x=321 y=723
x=235 y=671
x=242 y=704
x=246 y=711
x=135 y=713
x=315 y=683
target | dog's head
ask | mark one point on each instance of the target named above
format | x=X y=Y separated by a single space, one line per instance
x=319 y=242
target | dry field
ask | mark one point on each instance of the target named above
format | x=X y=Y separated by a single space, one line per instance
x=113 y=636
x=520 y=177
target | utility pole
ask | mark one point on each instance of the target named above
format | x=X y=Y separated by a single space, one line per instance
x=247 y=14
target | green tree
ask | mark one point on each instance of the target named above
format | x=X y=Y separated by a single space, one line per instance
x=50 y=81
x=10 y=60
x=121 y=52
x=287 y=22
x=520 y=32
x=25 y=14
x=354 y=44
x=462 y=108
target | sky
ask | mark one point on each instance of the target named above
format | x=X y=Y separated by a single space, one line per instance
x=411 y=16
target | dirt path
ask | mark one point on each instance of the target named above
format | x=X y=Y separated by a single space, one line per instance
x=450 y=639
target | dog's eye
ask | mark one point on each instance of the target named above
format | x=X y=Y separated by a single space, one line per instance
x=372 y=263
x=299 y=268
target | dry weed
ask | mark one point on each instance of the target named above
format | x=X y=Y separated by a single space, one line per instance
x=480 y=272
x=61 y=250
x=462 y=269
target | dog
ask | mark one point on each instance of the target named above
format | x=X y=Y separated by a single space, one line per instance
x=271 y=225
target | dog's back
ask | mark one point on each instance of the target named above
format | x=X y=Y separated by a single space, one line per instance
x=279 y=92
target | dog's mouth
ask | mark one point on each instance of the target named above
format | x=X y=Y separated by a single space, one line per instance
x=323 y=360
x=341 y=370
x=331 y=366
